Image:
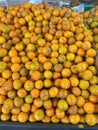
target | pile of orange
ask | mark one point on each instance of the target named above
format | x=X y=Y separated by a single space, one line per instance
x=47 y=66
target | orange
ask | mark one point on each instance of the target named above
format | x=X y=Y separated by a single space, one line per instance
x=31 y=118
x=35 y=75
x=6 y=74
x=14 y=118
x=50 y=112
x=28 y=99
x=47 y=83
x=2 y=80
x=5 y=111
x=80 y=101
x=39 y=84
x=22 y=117
x=5 y=117
x=8 y=104
x=71 y=99
x=62 y=93
x=38 y=102
x=91 y=53
x=48 y=74
x=73 y=109
x=76 y=91
x=66 y=72
x=65 y=120
x=39 y=114
x=21 y=92
x=53 y=92
x=29 y=85
x=11 y=94
x=15 y=67
x=90 y=119
x=46 y=119
x=54 y=119
x=84 y=84
x=47 y=104
x=13 y=53
x=15 y=59
x=2 y=99
x=35 y=93
x=47 y=65
x=44 y=94
x=8 y=85
x=17 y=84
x=74 y=119
x=62 y=105
x=18 y=102
x=65 y=83
x=3 y=91
x=74 y=81
x=26 y=107
x=59 y=113
x=15 y=110
x=89 y=107
x=93 y=99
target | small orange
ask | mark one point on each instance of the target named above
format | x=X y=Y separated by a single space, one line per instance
x=15 y=110
x=74 y=81
x=21 y=92
x=65 y=83
x=2 y=99
x=36 y=75
x=54 y=119
x=47 y=83
x=13 y=53
x=15 y=67
x=89 y=107
x=17 y=84
x=74 y=119
x=8 y=104
x=11 y=94
x=44 y=94
x=14 y=118
x=28 y=99
x=6 y=74
x=53 y=92
x=39 y=114
x=65 y=120
x=26 y=107
x=59 y=113
x=47 y=104
x=22 y=117
x=73 y=109
x=66 y=72
x=35 y=93
x=5 y=117
x=8 y=85
x=50 y=112
x=76 y=91
x=29 y=85
x=71 y=99
x=3 y=91
x=39 y=84
x=38 y=102
x=5 y=111
x=80 y=101
x=91 y=119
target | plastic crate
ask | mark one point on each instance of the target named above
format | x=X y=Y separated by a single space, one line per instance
x=12 y=2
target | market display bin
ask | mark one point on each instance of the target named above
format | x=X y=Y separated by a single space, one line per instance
x=42 y=126
x=38 y=125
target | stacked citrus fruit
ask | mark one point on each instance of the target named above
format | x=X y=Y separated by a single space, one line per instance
x=47 y=70
x=91 y=18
